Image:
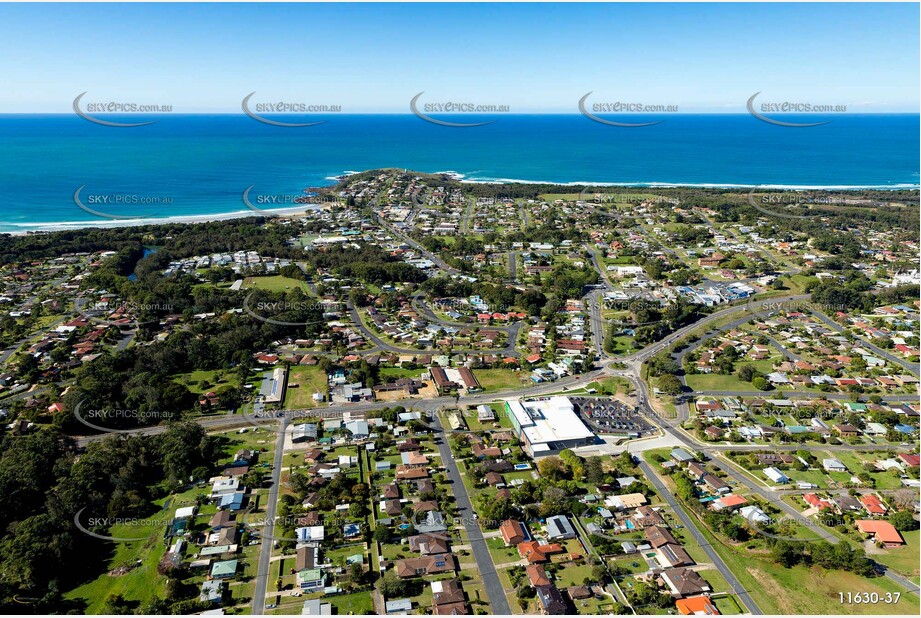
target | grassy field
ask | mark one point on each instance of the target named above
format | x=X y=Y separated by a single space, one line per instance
x=493 y=380
x=500 y=553
x=611 y=386
x=142 y=583
x=200 y=382
x=394 y=373
x=805 y=590
x=717 y=382
x=274 y=283
x=310 y=380
x=573 y=575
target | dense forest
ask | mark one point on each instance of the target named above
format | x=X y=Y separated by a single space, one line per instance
x=43 y=484
x=178 y=240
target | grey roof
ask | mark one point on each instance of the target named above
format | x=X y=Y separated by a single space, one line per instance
x=559 y=527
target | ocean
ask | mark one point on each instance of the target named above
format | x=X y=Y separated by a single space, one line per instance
x=200 y=165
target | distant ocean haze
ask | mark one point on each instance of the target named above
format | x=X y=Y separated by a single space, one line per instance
x=199 y=165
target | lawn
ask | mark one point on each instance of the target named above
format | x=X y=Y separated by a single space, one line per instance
x=727 y=605
x=810 y=476
x=611 y=386
x=717 y=382
x=716 y=580
x=275 y=283
x=629 y=562
x=389 y=374
x=622 y=344
x=309 y=379
x=203 y=381
x=500 y=553
x=474 y=424
x=493 y=380
x=573 y=575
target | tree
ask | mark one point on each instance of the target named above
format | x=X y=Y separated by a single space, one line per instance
x=391 y=586
x=787 y=553
x=356 y=573
x=670 y=384
x=117 y=605
x=747 y=373
x=555 y=502
x=552 y=468
x=382 y=534
x=574 y=463
x=903 y=520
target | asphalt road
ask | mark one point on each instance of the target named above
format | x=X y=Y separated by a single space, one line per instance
x=484 y=562
x=691 y=527
x=268 y=532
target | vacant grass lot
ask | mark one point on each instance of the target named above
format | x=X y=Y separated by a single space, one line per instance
x=309 y=380
x=493 y=380
x=203 y=381
x=389 y=374
x=274 y=283
x=717 y=382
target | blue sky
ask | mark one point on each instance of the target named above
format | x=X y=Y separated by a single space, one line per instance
x=532 y=57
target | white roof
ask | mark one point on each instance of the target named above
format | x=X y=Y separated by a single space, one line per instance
x=549 y=420
x=186 y=511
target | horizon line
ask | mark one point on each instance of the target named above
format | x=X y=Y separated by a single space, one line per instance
x=471 y=114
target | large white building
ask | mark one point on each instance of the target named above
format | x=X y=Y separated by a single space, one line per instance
x=547 y=426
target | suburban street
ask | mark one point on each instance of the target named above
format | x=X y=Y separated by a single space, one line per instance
x=268 y=531
x=691 y=526
x=484 y=561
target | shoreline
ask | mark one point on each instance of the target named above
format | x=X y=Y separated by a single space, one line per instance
x=23 y=229
x=63 y=226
